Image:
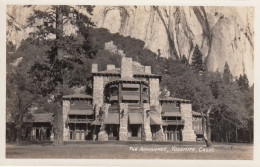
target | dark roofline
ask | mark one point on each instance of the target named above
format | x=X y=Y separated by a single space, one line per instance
x=148 y=75
x=127 y=81
x=105 y=74
x=77 y=96
x=135 y=75
x=195 y=113
x=172 y=99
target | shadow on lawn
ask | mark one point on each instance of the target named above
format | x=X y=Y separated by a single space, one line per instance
x=49 y=143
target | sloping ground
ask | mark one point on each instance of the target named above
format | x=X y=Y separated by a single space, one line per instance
x=132 y=150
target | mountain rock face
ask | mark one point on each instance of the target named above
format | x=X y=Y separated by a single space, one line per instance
x=223 y=34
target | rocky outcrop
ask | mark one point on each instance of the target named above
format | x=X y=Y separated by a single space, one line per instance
x=222 y=33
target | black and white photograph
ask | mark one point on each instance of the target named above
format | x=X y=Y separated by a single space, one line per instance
x=151 y=82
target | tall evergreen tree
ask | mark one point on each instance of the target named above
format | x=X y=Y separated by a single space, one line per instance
x=243 y=82
x=52 y=70
x=184 y=60
x=197 y=61
x=227 y=76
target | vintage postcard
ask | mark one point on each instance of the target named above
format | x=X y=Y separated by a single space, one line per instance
x=156 y=82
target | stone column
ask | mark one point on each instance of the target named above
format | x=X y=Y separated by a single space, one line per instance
x=147 y=127
x=105 y=108
x=102 y=135
x=52 y=136
x=126 y=67
x=159 y=133
x=123 y=114
x=98 y=91
x=65 y=109
x=97 y=109
x=186 y=114
x=154 y=91
x=33 y=133
x=147 y=69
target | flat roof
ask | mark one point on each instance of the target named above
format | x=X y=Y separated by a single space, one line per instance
x=127 y=80
x=116 y=71
x=43 y=117
x=174 y=99
x=77 y=96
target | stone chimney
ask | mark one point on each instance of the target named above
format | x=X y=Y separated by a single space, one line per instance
x=94 y=68
x=147 y=69
x=126 y=67
x=111 y=67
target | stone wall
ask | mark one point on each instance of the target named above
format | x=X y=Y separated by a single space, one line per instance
x=98 y=91
x=147 y=69
x=106 y=79
x=154 y=91
x=126 y=67
x=123 y=132
x=97 y=109
x=186 y=114
x=94 y=68
x=102 y=136
x=159 y=134
x=65 y=109
x=147 y=127
x=111 y=67
x=105 y=108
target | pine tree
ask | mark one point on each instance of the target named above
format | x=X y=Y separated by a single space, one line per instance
x=197 y=61
x=227 y=76
x=184 y=60
x=50 y=73
x=243 y=82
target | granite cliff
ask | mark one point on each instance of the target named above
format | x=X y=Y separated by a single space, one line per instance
x=222 y=33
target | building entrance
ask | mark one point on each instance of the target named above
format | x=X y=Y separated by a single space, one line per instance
x=135 y=132
x=77 y=131
x=112 y=131
x=173 y=133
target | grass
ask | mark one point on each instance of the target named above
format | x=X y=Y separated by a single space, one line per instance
x=131 y=150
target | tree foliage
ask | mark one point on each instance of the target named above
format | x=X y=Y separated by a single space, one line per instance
x=52 y=62
x=227 y=76
x=65 y=54
x=197 y=61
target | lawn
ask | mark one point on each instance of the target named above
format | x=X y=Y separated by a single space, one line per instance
x=131 y=150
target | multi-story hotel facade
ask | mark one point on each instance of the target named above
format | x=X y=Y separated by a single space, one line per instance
x=126 y=105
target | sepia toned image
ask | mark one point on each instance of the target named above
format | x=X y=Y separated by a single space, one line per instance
x=129 y=82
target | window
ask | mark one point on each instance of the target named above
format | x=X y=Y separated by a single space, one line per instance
x=130 y=89
x=130 y=101
x=90 y=116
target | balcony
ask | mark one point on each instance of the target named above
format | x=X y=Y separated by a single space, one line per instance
x=175 y=122
x=81 y=107
x=114 y=108
x=133 y=93
x=80 y=120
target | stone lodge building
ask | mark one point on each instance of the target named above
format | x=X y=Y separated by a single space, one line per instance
x=126 y=106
